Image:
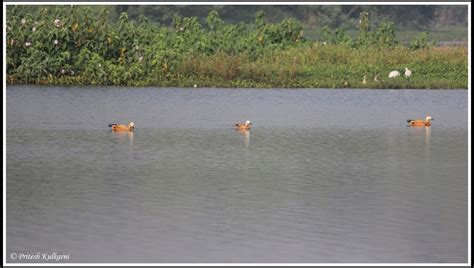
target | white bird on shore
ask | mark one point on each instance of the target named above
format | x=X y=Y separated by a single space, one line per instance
x=364 y=81
x=393 y=74
x=376 y=78
x=407 y=72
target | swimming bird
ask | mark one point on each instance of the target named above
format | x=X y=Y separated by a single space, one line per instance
x=407 y=72
x=420 y=122
x=119 y=127
x=393 y=74
x=244 y=126
x=364 y=81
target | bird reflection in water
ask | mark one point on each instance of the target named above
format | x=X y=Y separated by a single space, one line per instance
x=427 y=135
x=122 y=137
x=246 y=134
x=421 y=134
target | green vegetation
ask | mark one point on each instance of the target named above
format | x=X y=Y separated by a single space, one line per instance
x=416 y=18
x=74 y=45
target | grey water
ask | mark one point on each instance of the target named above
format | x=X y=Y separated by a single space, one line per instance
x=324 y=176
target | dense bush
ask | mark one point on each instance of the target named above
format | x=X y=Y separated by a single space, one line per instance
x=71 y=45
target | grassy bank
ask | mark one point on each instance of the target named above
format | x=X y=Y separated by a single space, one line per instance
x=327 y=66
x=315 y=66
x=72 y=46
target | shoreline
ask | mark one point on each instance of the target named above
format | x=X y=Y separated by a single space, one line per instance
x=217 y=87
x=311 y=66
x=60 y=50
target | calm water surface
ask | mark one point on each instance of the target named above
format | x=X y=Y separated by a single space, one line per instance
x=324 y=175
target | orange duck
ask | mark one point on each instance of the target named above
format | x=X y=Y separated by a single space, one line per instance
x=420 y=122
x=119 y=127
x=245 y=126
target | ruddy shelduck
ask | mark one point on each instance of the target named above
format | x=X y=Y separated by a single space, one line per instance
x=420 y=122
x=245 y=126
x=119 y=127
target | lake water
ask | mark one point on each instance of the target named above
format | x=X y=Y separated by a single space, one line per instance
x=323 y=176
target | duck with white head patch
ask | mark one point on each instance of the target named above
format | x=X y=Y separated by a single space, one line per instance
x=243 y=126
x=420 y=122
x=120 y=127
